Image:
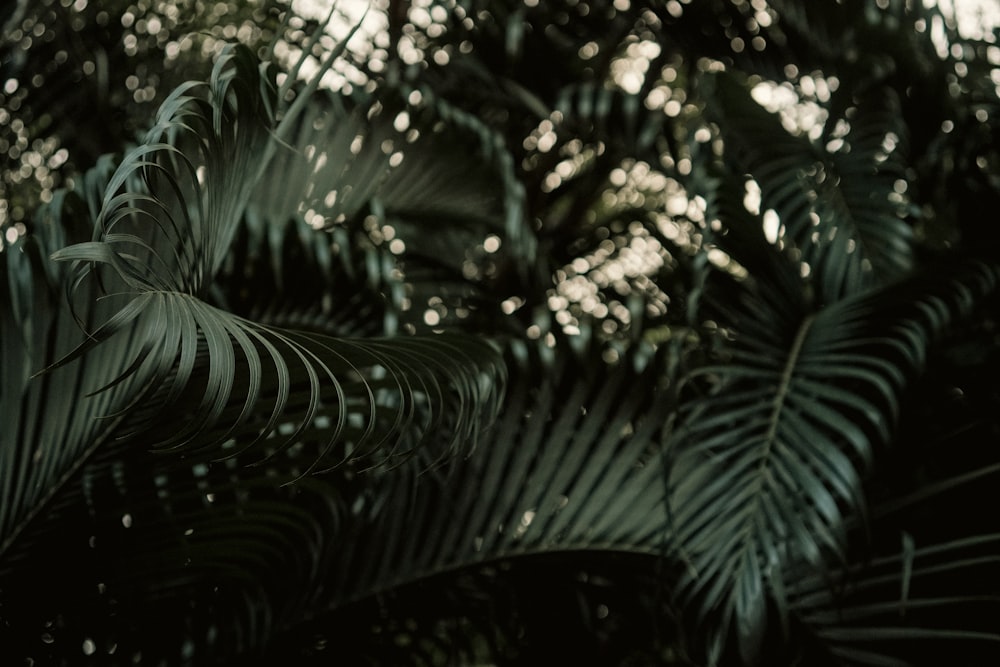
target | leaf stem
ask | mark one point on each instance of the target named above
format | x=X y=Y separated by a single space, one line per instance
x=786 y=379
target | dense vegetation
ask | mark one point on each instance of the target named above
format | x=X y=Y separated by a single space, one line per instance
x=569 y=332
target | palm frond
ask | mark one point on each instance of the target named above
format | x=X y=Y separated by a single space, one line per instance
x=158 y=365
x=905 y=607
x=412 y=166
x=219 y=341
x=770 y=452
x=165 y=228
x=292 y=276
x=923 y=586
x=572 y=465
x=610 y=497
x=160 y=527
x=473 y=144
x=51 y=423
x=191 y=546
x=836 y=204
x=930 y=594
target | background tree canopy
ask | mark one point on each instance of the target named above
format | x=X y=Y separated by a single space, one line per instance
x=508 y=332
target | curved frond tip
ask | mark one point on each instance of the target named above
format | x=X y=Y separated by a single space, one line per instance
x=244 y=386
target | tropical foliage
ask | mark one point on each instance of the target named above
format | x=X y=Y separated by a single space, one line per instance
x=528 y=333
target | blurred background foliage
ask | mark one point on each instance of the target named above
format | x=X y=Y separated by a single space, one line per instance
x=625 y=138
x=596 y=103
x=82 y=79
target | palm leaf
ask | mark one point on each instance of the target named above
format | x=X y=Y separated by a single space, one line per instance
x=771 y=449
x=189 y=546
x=158 y=355
x=921 y=600
x=492 y=199
x=537 y=502
x=905 y=607
x=412 y=163
x=152 y=533
x=167 y=222
x=283 y=558
x=923 y=586
x=572 y=465
x=51 y=423
x=290 y=275
x=835 y=205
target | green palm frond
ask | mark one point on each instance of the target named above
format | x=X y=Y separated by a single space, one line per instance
x=292 y=276
x=905 y=607
x=770 y=451
x=836 y=204
x=918 y=601
x=160 y=366
x=174 y=540
x=420 y=183
x=443 y=214
x=923 y=587
x=168 y=220
x=616 y=116
x=572 y=465
x=51 y=422
x=283 y=558
x=519 y=496
x=336 y=158
x=215 y=451
x=151 y=531
x=473 y=143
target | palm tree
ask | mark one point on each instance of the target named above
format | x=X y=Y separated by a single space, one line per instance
x=558 y=339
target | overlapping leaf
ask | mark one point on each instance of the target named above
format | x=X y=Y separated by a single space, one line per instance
x=168 y=218
x=920 y=598
x=768 y=460
x=573 y=464
x=50 y=422
x=158 y=361
x=836 y=203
